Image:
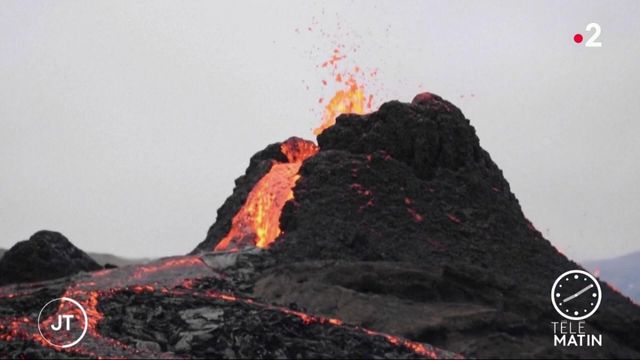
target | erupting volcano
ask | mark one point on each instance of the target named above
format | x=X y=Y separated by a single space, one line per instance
x=395 y=236
x=402 y=210
x=257 y=222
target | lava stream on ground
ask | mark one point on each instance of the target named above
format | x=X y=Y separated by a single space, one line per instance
x=172 y=277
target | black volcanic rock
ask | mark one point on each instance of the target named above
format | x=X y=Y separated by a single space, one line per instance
x=46 y=255
x=428 y=136
x=188 y=307
x=208 y=328
x=407 y=183
x=403 y=223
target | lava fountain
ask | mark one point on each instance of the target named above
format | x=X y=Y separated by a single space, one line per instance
x=350 y=98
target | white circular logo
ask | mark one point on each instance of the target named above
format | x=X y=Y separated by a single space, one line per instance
x=576 y=295
x=59 y=329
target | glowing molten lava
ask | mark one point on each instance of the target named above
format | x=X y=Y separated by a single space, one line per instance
x=351 y=99
x=174 y=277
x=258 y=221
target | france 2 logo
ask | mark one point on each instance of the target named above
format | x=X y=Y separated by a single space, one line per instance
x=591 y=42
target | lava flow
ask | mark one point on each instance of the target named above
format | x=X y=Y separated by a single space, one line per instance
x=89 y=290
x=174 y=277
x=258 y=221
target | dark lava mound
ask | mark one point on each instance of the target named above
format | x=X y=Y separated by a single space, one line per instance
x=46 y=255
x=402 y=223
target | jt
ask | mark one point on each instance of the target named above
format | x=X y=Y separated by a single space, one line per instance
x=59 y=326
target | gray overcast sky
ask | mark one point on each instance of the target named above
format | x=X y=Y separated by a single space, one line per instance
x=124 y=123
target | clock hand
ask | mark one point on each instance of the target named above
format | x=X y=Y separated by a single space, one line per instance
x=577 y=294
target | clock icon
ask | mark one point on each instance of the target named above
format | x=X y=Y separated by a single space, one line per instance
x=576 y=295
